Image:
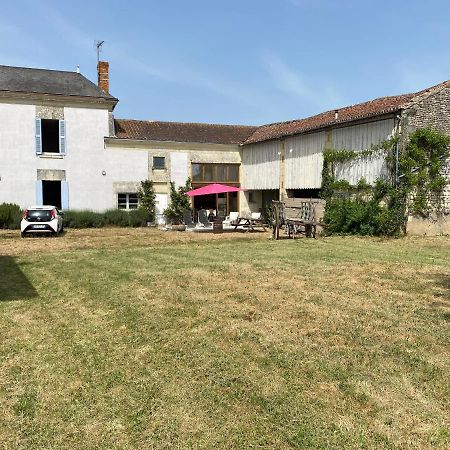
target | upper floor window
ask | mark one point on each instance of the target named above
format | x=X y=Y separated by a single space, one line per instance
x=159 y=162
x=50 y=136
x=215 y=172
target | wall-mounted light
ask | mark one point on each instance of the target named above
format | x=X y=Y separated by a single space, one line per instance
x=279 y=153
x=291 y=150
x=104 y=173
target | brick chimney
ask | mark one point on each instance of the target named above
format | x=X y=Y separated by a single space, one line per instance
x=103 y=76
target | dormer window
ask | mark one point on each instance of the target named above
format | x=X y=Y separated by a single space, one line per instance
x=50 y=136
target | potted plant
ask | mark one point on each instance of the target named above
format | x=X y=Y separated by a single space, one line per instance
x=179 y=203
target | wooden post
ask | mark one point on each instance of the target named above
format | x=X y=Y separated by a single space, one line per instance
x=276 y=229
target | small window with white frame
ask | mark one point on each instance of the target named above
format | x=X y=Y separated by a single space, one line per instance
x=127 y=200
x=159 y=162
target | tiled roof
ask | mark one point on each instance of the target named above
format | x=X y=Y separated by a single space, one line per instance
x=240 y=134
x=365 y=110
x=53 y=82
x=182 y=132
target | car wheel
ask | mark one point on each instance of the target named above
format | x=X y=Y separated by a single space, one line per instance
x=22 y=234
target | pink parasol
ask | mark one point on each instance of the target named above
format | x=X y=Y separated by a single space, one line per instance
x=214 y=188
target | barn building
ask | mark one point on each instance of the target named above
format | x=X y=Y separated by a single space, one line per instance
x=60 y=144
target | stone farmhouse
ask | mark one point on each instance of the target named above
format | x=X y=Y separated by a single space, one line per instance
x=61 y=144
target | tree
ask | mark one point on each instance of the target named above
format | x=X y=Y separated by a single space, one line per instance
x=179 y=202
x=147 y=199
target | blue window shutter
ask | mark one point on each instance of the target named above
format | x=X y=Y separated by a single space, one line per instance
x=62 y=137
x=39 y=198
x=38 y=137
x=64 y=195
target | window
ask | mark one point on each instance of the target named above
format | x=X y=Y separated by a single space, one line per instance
x=222 y=173
x=208 y=172
x=127 y=201
x=196 y=171
x=159 y=162
x=233 y=172
x=251 y=197
x=50 y=136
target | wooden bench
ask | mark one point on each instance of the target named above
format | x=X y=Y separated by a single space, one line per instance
x=299 y=216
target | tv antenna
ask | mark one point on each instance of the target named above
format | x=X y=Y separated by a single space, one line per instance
x=98 y=45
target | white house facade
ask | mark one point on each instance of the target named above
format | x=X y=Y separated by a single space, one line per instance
x=52 y=149
x=60 y=144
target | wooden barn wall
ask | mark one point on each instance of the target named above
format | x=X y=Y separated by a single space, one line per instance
x=304 y=161
x=362 y=137
x=261 y=165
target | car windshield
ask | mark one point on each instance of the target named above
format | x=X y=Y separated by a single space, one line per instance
x=39 y=215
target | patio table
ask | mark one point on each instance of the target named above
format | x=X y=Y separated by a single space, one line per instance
x=249 y=223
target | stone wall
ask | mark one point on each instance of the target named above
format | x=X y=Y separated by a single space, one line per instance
x=432 y=111
x=49 y=112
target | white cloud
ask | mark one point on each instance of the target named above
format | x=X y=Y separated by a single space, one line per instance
x=413 y=78
x=317 y=96
x=65 y=28
x=186 y=75
x=17 y=44
x=171 y=72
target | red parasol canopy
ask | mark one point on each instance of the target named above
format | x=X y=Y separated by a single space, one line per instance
x=214 y=188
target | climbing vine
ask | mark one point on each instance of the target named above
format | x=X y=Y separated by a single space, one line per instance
x=415 y=186
x=332 y=156
x=421 y=168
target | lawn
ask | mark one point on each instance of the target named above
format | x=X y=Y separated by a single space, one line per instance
x=139 y=339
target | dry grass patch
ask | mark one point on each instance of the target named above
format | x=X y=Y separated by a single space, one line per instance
x=109 y=238
x=179 y=341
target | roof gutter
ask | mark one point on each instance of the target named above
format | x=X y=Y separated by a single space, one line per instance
x=55 y=98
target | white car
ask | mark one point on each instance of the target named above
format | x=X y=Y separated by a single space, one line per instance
x=41 y=219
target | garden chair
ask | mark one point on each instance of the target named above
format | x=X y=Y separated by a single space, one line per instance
x=187 y=219
x=232 y=218
x=203 y=219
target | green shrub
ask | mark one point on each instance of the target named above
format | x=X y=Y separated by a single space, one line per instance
x=352 y=216
x=117 y=217
x=83 y=219
x=179 y=202
x=147 y=201
x=112 y=217
x=138 y=217
x=10 y=216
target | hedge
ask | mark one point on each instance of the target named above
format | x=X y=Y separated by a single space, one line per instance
x=112 y=217
x=10 y=216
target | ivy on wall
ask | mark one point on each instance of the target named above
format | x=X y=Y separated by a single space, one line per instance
x=421 y=168
x=331 y=157
x=415 y=186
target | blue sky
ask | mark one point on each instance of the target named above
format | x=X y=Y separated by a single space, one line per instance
x=236 y=61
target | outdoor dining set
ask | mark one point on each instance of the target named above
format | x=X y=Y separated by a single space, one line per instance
x=209 y=219
x=232 y=222
x=296 y=216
